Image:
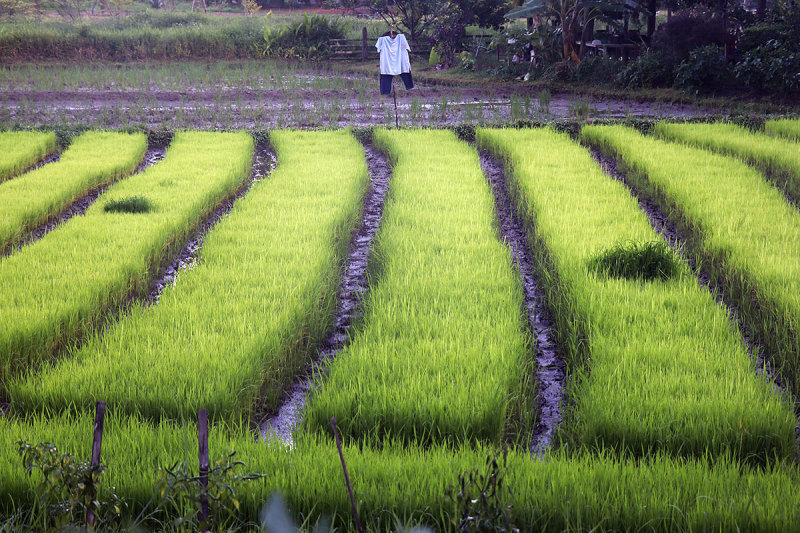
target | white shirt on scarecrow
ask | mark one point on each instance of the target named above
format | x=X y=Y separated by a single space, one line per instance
x=394 y=54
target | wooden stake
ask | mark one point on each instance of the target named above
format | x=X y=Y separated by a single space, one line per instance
x=202 y=435
x=364 y=43
x=394 y=97
x=346 y=476
x=97 y=443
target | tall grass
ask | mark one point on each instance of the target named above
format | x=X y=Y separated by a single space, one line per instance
x=132 y=38
x=59 y=289
x=656 y=365
x=444 y=350
x=559 y=493
x=787 y=127
x=247 y=316
x=778 y=158
x=741 y=229
x=152 y=35
x=20 y=150
x=94 y=159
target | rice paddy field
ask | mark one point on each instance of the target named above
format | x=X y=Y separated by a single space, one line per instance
x=213 y=279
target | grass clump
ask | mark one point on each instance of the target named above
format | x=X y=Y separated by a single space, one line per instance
x=637 y=260
x=19 y=150
x=133 y=204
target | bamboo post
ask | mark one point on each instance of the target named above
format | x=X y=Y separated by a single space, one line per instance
x=97 y=443
x=202 y=435
x=364 y=43
x=346 y=476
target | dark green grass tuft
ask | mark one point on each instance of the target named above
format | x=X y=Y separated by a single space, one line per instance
x=646 y=261
x=133 y=204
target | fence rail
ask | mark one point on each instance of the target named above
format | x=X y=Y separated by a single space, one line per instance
x=363 y=50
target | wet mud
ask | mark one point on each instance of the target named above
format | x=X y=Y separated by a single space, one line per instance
x=678 y=242
x=360 y=106
x=52 y=158
x=550 y=366
x=79 y=206
x=264 y=162
x=349 y=302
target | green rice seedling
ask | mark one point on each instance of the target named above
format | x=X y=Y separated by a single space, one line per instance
x=543 y=98
x=20 y=150
x=132 y=204
x=656 y=365
x=62 y=287
x=561 y=492
x=444 y=349
x=92 y=160
x=778 y=158
x=247 y=318
x=787 y=127
x=741 y=229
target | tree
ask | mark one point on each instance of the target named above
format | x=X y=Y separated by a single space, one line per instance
x=414 y=16
x=417 y=17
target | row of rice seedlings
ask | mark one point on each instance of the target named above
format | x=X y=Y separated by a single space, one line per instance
x=583 y=492
x=741 y=229
x=57 y=289
x=787 y=127
x=94 y=159
x=20 y=150
x=444 y=343
x=656 y=365
x=247 y=316
x=778 y=158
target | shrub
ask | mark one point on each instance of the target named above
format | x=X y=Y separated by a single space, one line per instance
x=596 y=69
x=307 y=38
x=648 y=70
x=705 y=70
x=686 y=32
x=770 y=67
x=560 y=71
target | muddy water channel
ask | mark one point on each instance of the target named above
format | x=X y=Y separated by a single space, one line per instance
x=263 y=163
x=680 y=244
x=349 y=299
x=550 y=367
x=79 y=206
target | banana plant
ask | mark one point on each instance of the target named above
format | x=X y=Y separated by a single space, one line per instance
x=573 y=15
